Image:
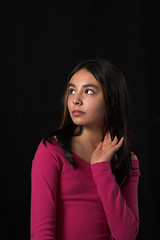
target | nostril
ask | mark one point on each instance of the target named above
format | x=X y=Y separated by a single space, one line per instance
x=77 y=101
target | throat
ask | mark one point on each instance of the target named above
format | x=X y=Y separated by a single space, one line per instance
x=82 y=149
x=85 y=155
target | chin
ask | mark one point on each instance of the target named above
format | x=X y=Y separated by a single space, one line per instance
x=78 y=122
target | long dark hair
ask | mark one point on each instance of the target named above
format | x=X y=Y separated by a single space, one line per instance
x=117 y=116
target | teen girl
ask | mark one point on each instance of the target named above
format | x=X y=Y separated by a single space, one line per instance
x=85 y=174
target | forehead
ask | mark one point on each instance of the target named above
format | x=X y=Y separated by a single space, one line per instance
x=83 y=77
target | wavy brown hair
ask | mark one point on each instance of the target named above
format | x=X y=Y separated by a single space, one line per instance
x=117 y=116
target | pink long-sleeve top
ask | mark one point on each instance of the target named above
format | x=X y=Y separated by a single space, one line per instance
x=80 y=204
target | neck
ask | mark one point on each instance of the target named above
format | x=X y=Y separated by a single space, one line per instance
x=91 y=137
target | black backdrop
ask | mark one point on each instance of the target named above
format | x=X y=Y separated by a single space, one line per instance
x=43 y=40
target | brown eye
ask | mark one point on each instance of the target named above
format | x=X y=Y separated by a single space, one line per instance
x=71 y=91
x=89 y=92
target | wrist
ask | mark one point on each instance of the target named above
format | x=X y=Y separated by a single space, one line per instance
x=99 y=162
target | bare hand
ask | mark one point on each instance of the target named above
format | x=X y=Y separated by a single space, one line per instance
x=106 y=149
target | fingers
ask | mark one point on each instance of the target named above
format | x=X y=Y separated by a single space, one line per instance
x=119 y=144
x=108 y=141
x=114 y=143
x=99 y=147
x=107 y=138
x=115 y=140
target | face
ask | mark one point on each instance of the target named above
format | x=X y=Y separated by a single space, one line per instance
x=85 y=100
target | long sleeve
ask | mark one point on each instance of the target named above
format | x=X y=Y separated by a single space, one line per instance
x=120 y=205
x=44 y=180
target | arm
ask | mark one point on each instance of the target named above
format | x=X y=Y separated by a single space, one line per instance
x=44 y=179
x=120 y=205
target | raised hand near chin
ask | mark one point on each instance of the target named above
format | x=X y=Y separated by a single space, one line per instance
x=106 y=149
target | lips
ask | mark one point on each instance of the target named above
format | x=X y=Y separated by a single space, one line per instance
x=77 y=113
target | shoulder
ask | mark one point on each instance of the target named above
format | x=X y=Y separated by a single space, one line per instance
x=133 y=156
x=50 y=147
x=50 y=152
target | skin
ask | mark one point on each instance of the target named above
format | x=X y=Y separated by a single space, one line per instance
x=85 y=94
x=88 y=99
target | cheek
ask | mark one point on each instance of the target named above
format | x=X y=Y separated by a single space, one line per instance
x=100 y=110
x=97 y=107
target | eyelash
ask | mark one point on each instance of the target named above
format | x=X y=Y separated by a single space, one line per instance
x=70 y=91
x=91 y=91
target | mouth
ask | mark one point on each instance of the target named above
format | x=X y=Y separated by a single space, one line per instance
x=77 y=113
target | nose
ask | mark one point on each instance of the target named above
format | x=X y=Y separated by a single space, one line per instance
x=77 y=100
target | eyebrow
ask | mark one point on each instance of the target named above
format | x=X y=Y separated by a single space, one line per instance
x=84 y=86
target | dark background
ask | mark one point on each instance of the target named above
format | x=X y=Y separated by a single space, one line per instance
x=43 y=41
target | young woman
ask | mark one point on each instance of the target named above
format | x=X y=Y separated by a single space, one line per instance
x=85 y=174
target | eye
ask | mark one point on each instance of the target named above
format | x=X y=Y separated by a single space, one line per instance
x=71 y=91
x=89 y=92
